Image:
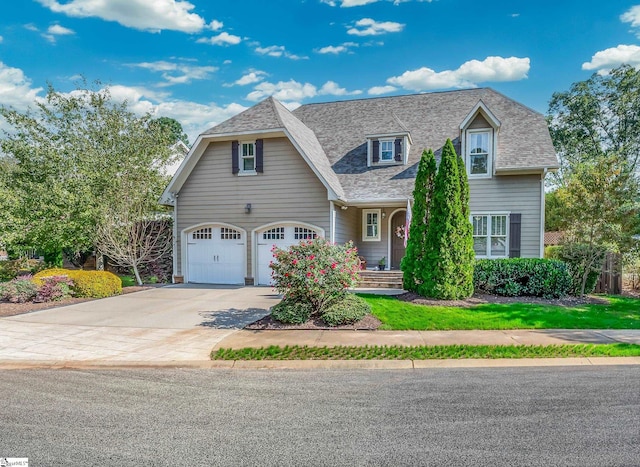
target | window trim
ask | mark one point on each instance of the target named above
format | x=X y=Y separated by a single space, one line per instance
x=365 y=237
x=489 y=215
x=467 y=158
x=241 y=159
x=393 y=151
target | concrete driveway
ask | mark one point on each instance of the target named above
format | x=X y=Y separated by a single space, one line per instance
x=174 y=323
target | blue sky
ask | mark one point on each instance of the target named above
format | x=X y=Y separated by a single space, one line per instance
x=201 y=62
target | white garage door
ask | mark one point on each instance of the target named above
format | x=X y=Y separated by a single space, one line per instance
x=215 y=255
x=281 y=236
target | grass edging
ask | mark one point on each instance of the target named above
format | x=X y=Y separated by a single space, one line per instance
x=437 y=352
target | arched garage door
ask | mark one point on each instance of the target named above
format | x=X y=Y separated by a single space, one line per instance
x=216 y=255
x=282 y=236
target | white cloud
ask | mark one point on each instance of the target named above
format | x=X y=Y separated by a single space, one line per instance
x=613 y=57
x=224 y=38
x=337 y=49
x=250 y=78
x=60 y=30
x=146 y=15
x=370 y=27
x=278 y=51
x=285 y=91
x=1 y=39
x=632 y=16
x=378 y=90
x=16 y=89
x=292 y=92
x=333 y=89
x=216 y=25
x=177 y=73
x=467 y=75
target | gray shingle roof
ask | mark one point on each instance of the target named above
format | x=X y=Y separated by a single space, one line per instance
x=341 y=128
x=333 y=135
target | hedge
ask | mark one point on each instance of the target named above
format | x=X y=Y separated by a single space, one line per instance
x=92 y=284
x=522 y=276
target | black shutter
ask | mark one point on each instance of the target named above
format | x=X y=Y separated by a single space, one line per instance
x=375 y=148
x=398 y=144
x=259 y=156
x=514 y=235
x=235 y=166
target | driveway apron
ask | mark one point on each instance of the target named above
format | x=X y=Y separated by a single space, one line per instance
x=173 y=323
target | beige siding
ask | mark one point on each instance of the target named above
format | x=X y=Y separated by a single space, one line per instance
x=288 y=190
x=516 y=194
x=479 y=122
x=347 y=224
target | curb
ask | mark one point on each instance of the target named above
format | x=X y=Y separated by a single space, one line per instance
x=321 y=364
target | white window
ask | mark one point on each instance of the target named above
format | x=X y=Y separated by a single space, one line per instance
x=371 y=225
x=248 y=158
x=387 y=147
x=490 y=235
x=479 y=153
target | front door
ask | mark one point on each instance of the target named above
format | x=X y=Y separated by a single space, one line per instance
x=397 y=238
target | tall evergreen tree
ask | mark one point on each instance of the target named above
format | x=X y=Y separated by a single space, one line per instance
x=448 y=267
x=413 y=260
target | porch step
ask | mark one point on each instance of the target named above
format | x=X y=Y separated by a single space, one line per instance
x=380 y=279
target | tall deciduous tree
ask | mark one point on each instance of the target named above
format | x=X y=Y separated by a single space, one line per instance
x=76 y=155
x=448 y=267
x=413 y=260
x=595 y=118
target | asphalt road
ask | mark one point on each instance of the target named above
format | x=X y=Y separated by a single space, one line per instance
x=496 y=417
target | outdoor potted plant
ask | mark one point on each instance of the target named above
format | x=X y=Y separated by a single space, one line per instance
x=382 y=263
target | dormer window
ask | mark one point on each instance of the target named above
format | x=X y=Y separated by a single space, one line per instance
x=387 y=150
x=479 y=152
x=479 y=135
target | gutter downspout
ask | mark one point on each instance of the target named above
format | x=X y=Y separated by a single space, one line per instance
x=175 y=237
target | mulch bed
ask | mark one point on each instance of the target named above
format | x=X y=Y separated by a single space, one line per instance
x=368 y=323
x=13 y=309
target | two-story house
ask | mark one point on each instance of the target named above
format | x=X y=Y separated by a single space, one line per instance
x=344 y=171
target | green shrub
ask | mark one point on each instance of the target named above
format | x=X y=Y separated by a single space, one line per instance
x=91 y=284
x=522 y=277
x=19 y=290
x=346 y=310
x=292 y=311
x=9 y=270
x=583 y=259
x=552 y=251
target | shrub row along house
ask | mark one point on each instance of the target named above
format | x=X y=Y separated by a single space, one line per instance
x=345 y=171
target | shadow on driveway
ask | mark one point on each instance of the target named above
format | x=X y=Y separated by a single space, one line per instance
x=232 y=318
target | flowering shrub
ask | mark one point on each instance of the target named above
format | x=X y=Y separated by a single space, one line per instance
x=54 y=288
x=93 y=284
x=19 y=290
x=316 y=272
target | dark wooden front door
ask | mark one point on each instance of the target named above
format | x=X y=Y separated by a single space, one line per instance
x=397 y=238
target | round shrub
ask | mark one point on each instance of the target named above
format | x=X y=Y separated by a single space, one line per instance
x=19 y=290
x=291 y=311
x=91 y=284
x=346 y=310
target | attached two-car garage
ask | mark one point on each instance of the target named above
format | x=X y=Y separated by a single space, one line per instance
x=216 y=253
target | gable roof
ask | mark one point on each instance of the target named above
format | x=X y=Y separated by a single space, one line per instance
x=332 y=137
x=342 y=128
x=268 y=116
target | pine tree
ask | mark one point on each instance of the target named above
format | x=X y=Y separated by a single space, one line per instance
x=413 y=260
x=447 y=272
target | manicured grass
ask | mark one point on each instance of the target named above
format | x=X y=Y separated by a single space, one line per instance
x=296 y=352
x=127 y=281
x=620 y=313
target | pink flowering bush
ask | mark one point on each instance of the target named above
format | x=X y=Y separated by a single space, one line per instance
x=315 y=272
x=54 y=288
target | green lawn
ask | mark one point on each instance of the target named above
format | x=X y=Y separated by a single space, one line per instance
x=395 y=352
x=620 y=313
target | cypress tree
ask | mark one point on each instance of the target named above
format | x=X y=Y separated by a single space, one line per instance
x=448 y=269
x=413 y=260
